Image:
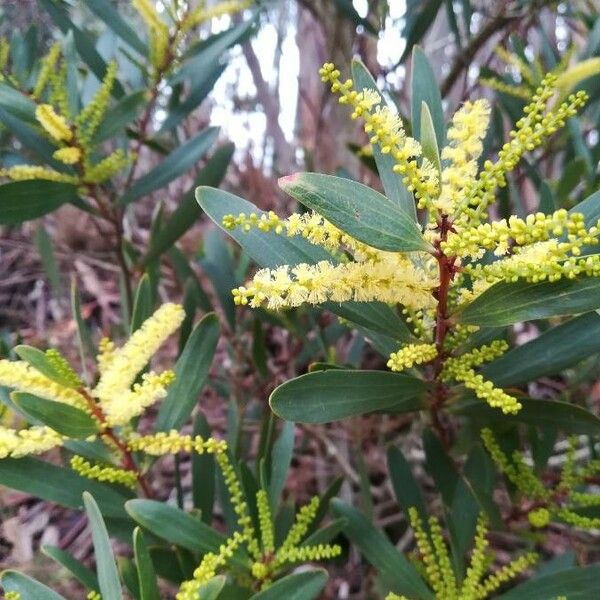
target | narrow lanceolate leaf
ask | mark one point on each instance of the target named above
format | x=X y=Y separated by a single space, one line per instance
x=25 y=200
x=191 y=371
x=325 y=396
x=395 y=570
x=212 y=588
x=142 y=305
x=406 y=489
x=104 y=10
x=40 y=362
x=174 y=165
x=145 y=569
x=395 y=190
x=281 y=459
x=425 y=89
x=299 y=586
x=57 y=484
x=28 y=588
x=64 y=419
x=188 y=210
x=356 y=209
x=567 y=417
x=108 y=576
x=85 y=576
x=556 y=349
x=578 y=583
x=428 y=140
x=507 y=303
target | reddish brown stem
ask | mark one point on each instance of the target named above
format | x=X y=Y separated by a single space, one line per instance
x=127 y=461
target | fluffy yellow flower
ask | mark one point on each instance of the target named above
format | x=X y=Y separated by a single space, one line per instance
x=53 y=123
x=130 y=359
x=68 y=155
x=29 y=172
x=35 y=440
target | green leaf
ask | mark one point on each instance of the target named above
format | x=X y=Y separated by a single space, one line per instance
x=395 y=190
x=569 y=418
x=406 y=489
x=578 y=583
x=85 y=576
x=394 y=569
x=188 y=210
x=424 y=89
x=29 y=588
x=17 y=104
x=428 y=141
x=142 y=304
x=64 y=419
x=556 y=349
x=104 y=10
x=212 y=588
x=108 y=576
x=347 y=8
x=46 y=252
x=175 y=164
x=40 y=362
x=420 y=16
x=507 y=303
x=191 y=371
x=356 y=209
x=84 y=339
x=326 y=396
x=145 y=569
x=299 y=586
x=281 y=459
x=119 y=115
x=25 y=200
x=59 y=485
x=175 y=526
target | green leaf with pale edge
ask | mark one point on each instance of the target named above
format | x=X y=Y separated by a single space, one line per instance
x=104 y=10
x=281 y=458
x=569 y=418
x=142 y=304
x=395 y=190
x=298 y=586
x=406 y=489
x=145 y=569
x=357 y=209
x=507 y=303
x=64 y=419
x=59 y=485
x=554 y=350
x=85 y=576
x=108 y=576
x=191 y=371
x=120 y=115
x=212 y=588
x=394 y=569
x=578 y=583
x=29 y=588
x=184 y=157
x=428 y=141
x=25 y=200
x=325 y=396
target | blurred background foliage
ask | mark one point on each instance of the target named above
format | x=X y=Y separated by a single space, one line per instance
x=238 y=104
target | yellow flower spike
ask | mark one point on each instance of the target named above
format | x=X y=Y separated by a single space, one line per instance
x=110 y=165
x=29 y=172
x=35 y=440
x=54 y=124
x=208 y=567
x=410 y=355
x=443 y=559
x=392 y=596
x=505 y=574
x=427 y=553
x=391 y=278
x=69 y=155
x=13 y=596
x=478 y=563
x=119 y=410
x=172 y=442
x=129 y=360
x=22 y=377
x=104 y=473
x=265 y=520
x=158 y=33
x=47 y=66
x=202 y=13
x=93 y=595
x=304 y=518
x=518 y=91
x=539 y=518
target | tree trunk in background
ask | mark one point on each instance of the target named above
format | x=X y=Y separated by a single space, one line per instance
x=324 y=126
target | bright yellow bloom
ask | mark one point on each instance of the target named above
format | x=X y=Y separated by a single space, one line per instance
x=202 y=13
x=392 y=278
x=172 y=442
x=53 y=123
x=22 y=377
x=68 y=155
x=104 y=473
x=130 y=359
x=35 y=440
x=411 y=354
x=29 y=172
